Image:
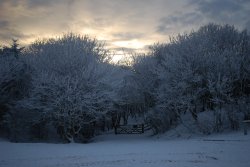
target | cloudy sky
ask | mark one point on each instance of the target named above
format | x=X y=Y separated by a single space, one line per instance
x=128 y=24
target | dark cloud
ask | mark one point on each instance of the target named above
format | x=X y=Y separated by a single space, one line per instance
x=2 y=2
x=10 y=2
x=173 y=22
x=14 y=34
x=128 y=35
x=41 y=3
x=234 y=12
x=224 y=11
x=7 y=32
x=247 y=26
x=4 y=24
x=215 y=7
x=99 y=22
x=124 y=49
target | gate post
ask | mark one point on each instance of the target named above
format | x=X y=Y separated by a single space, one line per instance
x=116 y=130
x=245 y=128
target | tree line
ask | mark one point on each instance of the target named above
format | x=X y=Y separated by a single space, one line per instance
x=66 y=89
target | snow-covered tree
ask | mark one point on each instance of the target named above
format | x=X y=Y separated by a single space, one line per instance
x=146 y=74
x=15 y=77
x=202 y=70
x=73 y=86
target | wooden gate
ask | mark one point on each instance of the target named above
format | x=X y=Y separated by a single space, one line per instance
x=129 y=129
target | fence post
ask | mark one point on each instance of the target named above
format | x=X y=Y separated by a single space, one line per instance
x=245 y=128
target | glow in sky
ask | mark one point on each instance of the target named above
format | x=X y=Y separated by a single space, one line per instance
x=127 y=24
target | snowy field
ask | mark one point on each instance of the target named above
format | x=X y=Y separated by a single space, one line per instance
x=227 y=150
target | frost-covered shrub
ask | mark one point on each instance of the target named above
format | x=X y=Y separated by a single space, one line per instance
x=219 y=120
x=160 y=120
x=20 y=122
x=206 y=122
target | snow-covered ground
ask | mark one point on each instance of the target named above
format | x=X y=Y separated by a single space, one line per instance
x=224 y=150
